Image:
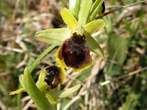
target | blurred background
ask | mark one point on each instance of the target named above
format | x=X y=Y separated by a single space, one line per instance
x=118 y=83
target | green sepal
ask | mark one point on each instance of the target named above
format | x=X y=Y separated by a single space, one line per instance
x=94 y=26
x=51 y=36
x=69 y=19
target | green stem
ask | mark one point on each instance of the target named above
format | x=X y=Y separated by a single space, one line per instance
x=40 y=57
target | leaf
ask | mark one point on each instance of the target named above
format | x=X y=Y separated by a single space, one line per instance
x=131 y=102
x=84 y=11
x=117 y=48
x=68 y=92
x=74 y=6
x=29 y=85
x=51 y=36
x=21 y=81
x=85 y=74
x=94 y=26
x=37 y=96
x=96 y=7
x=40 y=57
x=51 y=98
x=93 y=44
x=69 y=19
x=108 y=22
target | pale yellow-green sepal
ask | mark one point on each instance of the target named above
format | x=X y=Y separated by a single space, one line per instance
x=50 y=36
x=41 y=84
x=94 y=26
x=69 y=19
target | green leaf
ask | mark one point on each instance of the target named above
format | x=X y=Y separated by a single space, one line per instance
x=37 y=96
x=29 y=85
x=51 y=36
x=131 y=102
x=117 y=48
x=21 y=81
x=108 y=22
x=96 y=7
x=93 y=44
x=74 y=6
x=69 y=92
x=51 y=98
x=94 y=26
x=69 y=19
x=40 y=57
x=84 y=11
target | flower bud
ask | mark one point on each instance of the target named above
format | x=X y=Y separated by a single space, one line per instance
x=53 y=77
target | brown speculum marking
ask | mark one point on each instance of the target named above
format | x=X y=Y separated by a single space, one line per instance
x=53 y=77
x=74 y=51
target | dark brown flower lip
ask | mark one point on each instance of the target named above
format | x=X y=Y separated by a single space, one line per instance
x=53 y=77
x=74 y=52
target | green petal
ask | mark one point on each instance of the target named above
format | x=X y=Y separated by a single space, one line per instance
x=69 y=19
x=94 y=26
x=41 y=84
x=84 y=11
x=51 y=36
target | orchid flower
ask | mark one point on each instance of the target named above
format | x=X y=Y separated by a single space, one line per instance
x=75 y=40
